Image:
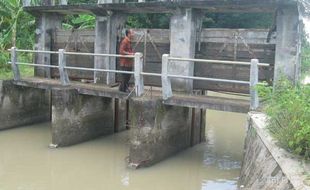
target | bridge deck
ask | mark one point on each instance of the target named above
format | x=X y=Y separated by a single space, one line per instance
x=202 y=102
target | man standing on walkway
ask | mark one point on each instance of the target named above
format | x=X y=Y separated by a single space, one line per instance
x=126 y=64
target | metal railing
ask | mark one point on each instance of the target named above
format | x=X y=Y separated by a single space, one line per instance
x=63 y=68
x=166 y=77
x=139 y=73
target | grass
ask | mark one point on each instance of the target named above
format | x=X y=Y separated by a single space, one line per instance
x=25 y=71
x=288 y=108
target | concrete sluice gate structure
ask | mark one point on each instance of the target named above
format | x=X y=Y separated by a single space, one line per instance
x=159 y=128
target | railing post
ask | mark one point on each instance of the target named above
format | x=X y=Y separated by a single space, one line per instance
x=61 y=66
x=166 y=83
x=15 y=69
x=253 y=83
x=137 y=74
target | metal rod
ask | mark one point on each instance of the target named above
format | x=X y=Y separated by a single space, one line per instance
x=35 y=51
x=74 y=53
x=151 y=74
x=101 y=70
x=217 y=61
x=37 y=65
x=98 y=54
x=209 y=79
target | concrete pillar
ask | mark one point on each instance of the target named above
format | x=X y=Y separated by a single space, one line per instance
x=105 y=42
x=158 y=131
x=183 y=27
x=21 y=106
x=77 y=118
x=46 y=23
x=288 y=44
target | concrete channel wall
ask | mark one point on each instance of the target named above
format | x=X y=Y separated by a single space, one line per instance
x=159 y=131
x=21 y=106
x=265 y=165
x=77 y=118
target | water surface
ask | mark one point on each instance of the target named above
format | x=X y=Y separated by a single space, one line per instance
x=26 y=162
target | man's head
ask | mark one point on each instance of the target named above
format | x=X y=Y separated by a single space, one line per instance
x=129 y=33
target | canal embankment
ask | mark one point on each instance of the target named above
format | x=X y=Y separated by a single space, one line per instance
x=266 y=165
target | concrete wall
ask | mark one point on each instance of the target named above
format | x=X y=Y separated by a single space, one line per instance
x=77 y=118
x=158 y=131
x=265 y=165
x=20 y=106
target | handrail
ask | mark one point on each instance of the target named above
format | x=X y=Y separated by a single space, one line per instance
x=217 y=61
x=138 y=70
x=74 y=53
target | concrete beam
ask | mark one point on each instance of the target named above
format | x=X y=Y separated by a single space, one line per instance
x=77 y=118
x=20 y=106
x=108 y=1
x=183 y=26
x=107 y=29
x=288 y=44
x=158 y=131
x=46 y=23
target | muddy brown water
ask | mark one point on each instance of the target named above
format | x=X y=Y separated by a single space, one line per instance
x=26 y=162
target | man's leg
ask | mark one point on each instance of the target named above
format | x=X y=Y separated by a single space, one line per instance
x=122 y=86
x=127 y=78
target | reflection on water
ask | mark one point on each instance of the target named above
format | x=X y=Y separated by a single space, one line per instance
x=27 y=164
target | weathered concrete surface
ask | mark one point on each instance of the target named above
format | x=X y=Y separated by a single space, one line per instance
x=47 y=23
x=288 y=44
x=183 y=29
x=265 y=165
x=77 y=118
x=121 y=115
x=198 y=126
x=157 y=131
x=21 y=106
x=106 y=32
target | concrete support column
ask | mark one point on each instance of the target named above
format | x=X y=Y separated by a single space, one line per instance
x=77 y=118
x=106 y=42
x=47 y=23
x=158 y=131
x=183 y=27
x=21 y=106
x=288 y=44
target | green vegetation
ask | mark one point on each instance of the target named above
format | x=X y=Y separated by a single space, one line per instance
x=288 y=108
x=305 y=60
x=16 y=30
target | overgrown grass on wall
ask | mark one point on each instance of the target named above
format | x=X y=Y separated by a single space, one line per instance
x=5 y=68
x=305 y=68
x=288 y=108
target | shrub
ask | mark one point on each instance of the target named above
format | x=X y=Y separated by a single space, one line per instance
x=288 y=108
